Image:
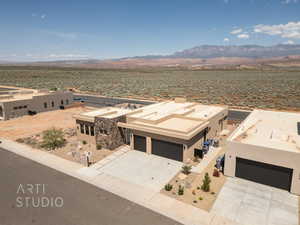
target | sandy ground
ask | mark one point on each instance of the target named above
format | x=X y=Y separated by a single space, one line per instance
x=193 y=192
x=29 y=125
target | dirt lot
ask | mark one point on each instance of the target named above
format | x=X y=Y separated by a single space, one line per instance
x=29 y=125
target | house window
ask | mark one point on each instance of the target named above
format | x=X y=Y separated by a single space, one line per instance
x=81 y=129
x=45 y=105
x=15 y=108
x=25 y=106
x=92 y=131
x=67 y=101
x=87 y=130
x=1 y=111
x=52 y=104
x=62 y=102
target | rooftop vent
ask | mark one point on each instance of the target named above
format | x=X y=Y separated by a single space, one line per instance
x=298 y=125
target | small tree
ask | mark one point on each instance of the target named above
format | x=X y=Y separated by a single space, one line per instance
x=180 y=190
x=206 y=183
x=168 y=187
x=186 y=169
x=52 y=139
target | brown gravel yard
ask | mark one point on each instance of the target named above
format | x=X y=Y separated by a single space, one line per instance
x=193 y=193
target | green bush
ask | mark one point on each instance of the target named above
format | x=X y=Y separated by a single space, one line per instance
x=84 y=142
x=200 y=198
x=180 y=190
x=168 y=187
x=98 y=146
x=53 y=139
x=186 y=169
x=206 y=183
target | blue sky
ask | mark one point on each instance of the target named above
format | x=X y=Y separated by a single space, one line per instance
x=52 y=30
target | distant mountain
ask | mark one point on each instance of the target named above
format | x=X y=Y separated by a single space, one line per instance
x=244 y=51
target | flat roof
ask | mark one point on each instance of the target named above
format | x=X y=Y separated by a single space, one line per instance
x=270 y=129
x=176 y=119
x=16 y=93
x=107 y=112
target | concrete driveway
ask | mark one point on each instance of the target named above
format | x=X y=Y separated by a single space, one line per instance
x=149 y=171
x=251 y=203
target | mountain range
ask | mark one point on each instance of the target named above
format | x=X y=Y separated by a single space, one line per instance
x=200 y=56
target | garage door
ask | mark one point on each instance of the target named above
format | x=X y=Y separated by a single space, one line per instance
x=139 y=143
x=263 y=173
x=167 y=149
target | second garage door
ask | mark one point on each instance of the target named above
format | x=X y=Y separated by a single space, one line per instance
x=263 y=173
x=167 y=149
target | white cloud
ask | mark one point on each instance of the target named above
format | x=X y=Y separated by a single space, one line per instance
x=289 y=42
x=226 y=1
x=226 y=39
x=236 y=31
x=243 y=36
x=43 y=16
x=289 y=30
x=70 y=56
x=289 y=1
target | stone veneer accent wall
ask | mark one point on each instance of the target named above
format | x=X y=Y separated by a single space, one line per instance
x=113 y=136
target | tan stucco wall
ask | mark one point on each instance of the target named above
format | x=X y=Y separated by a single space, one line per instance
x=265 y=155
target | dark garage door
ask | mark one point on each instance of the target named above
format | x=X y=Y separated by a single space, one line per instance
x=263 y=173
x=167 y=149
x=140 y=143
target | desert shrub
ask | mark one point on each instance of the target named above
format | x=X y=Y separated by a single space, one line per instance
x=194 y=192
x=168 y=187
x=195 y=201
x=198 y=188
x=20 y=140
x=200 y=198
x=98 y=146
x=206 y=183
x=84 y=142
x=186 y=169
x=212 y=193
x=53 y=139
x=180 y=190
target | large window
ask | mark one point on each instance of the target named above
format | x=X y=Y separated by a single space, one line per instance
x=81 y=128
x=92 y=131
x=52 y=104
x=87 y=130
x=45 y=105
x=62 y=102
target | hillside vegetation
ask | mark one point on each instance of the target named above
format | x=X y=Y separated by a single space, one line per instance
x=243 y=88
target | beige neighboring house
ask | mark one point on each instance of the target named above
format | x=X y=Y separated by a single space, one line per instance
x=16 y=102
x=174 y=129
x=265 y=148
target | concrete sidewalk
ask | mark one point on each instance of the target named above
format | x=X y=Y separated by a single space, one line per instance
x=172 y=208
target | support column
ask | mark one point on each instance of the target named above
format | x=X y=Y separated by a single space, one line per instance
x=148 y=145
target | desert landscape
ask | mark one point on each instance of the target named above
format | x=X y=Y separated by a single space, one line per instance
x=240 y=88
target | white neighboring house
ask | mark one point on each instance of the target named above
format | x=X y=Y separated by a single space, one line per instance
x=265 y=149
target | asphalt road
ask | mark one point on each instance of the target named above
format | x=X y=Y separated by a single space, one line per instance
x=69 y=201
x=98 y=101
